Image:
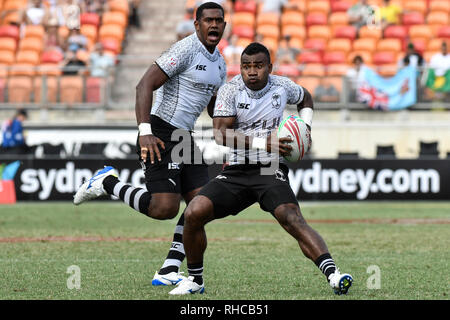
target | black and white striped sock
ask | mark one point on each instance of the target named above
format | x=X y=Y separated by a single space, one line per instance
x=176 y=253
x=136 y=198
x=326 y=264
x=196 y=270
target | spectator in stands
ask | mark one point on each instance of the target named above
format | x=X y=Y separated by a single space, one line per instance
x=92 y=6
x=326 y=92
x=12 y=134
x=412 y=58
x=186 y=26
x=52 y=39
x=353 y=76
x=34 y=14
x=285 y=53
x=133 y=18
x=389 y=14
x=76 y=40
x=276 y=6
x=440 y=61
x=360 y=14
x=72 y=65
x=232 y=52
x=100 y=62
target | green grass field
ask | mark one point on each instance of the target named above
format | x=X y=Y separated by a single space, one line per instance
x=248 y=257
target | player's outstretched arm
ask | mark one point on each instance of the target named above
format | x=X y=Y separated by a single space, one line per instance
x=151 y=81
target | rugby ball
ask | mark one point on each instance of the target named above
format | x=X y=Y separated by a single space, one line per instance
x=294 y=127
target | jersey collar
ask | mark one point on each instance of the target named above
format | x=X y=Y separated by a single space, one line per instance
x=259 y=93
x=210 y=56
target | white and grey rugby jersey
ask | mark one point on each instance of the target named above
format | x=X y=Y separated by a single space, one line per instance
x=195 y=75
x=257 y=112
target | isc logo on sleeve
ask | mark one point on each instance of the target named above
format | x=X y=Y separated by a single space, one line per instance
x=243 y=105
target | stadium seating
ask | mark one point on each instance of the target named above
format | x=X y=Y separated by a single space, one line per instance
x=19 y=89
x=71 y=89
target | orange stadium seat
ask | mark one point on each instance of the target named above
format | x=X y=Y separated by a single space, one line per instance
x=338 y=44
x=313 y=69
x=34 y=31
x=89 y=31
x=323 y=32
x=318 y=6
x=288 y=70
x=19 y=89
x=52 y=89
x=309 y=57
x=111 y=31
x=340 y=5
x=315 y=44
x=7 y=57
x=292 y=18
x=365 y=55
x=335 y=81
x=366 y=32
x=268 y=18
x=444 y=32
x=316 y=18
x=245 y=6
x=399 y=32
x=2 y=89
x=111 y=45
x=338 y=19
x=428 y=54
x=22 y=69
x=28 y=57
x=387 y=70
x=244 y=31
x=440 y=6
x=438 y=18
x=48 y=69
x=310 y=83
x=10 y=32
x=411 y=18
x=420 y=44
x=8 y=44
x=31 y=44
x=244 y=42
x=293 y=31
x=244 y=19
x=119 y=5
x=63 y=32
x=415 y=6
x=118 y=18
x=368 y=44
x=94 y=89
x=299 y=4
x=14 y=5
x=52 y=56
x=296 y=43
x=3 y=71
x=420 y=31
x=391 y=44
x=11 y=18
x=233 y=70
x=435 y=44
x=71 y=89
x=337 y=69
x=271 y=44
x=348 y=32
x=334 y=57
x=90 y=18
x=268 y=30
x=382 y=57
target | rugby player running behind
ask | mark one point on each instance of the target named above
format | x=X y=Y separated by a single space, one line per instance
x=186 y=79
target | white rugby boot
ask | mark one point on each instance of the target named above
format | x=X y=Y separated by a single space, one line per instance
x=169 y=279
x=340 y=282
x=188 y=286
x=93 y=188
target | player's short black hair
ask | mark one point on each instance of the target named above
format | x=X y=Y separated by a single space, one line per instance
x=207 y=5
x=254 y=48
x=22 y=112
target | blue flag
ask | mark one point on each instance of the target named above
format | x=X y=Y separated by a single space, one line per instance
x=393 y=93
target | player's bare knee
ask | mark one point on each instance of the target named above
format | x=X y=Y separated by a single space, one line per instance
x=163 y=211
x=198 y=212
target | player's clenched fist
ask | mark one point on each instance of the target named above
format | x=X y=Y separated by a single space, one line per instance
x=149 y=146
